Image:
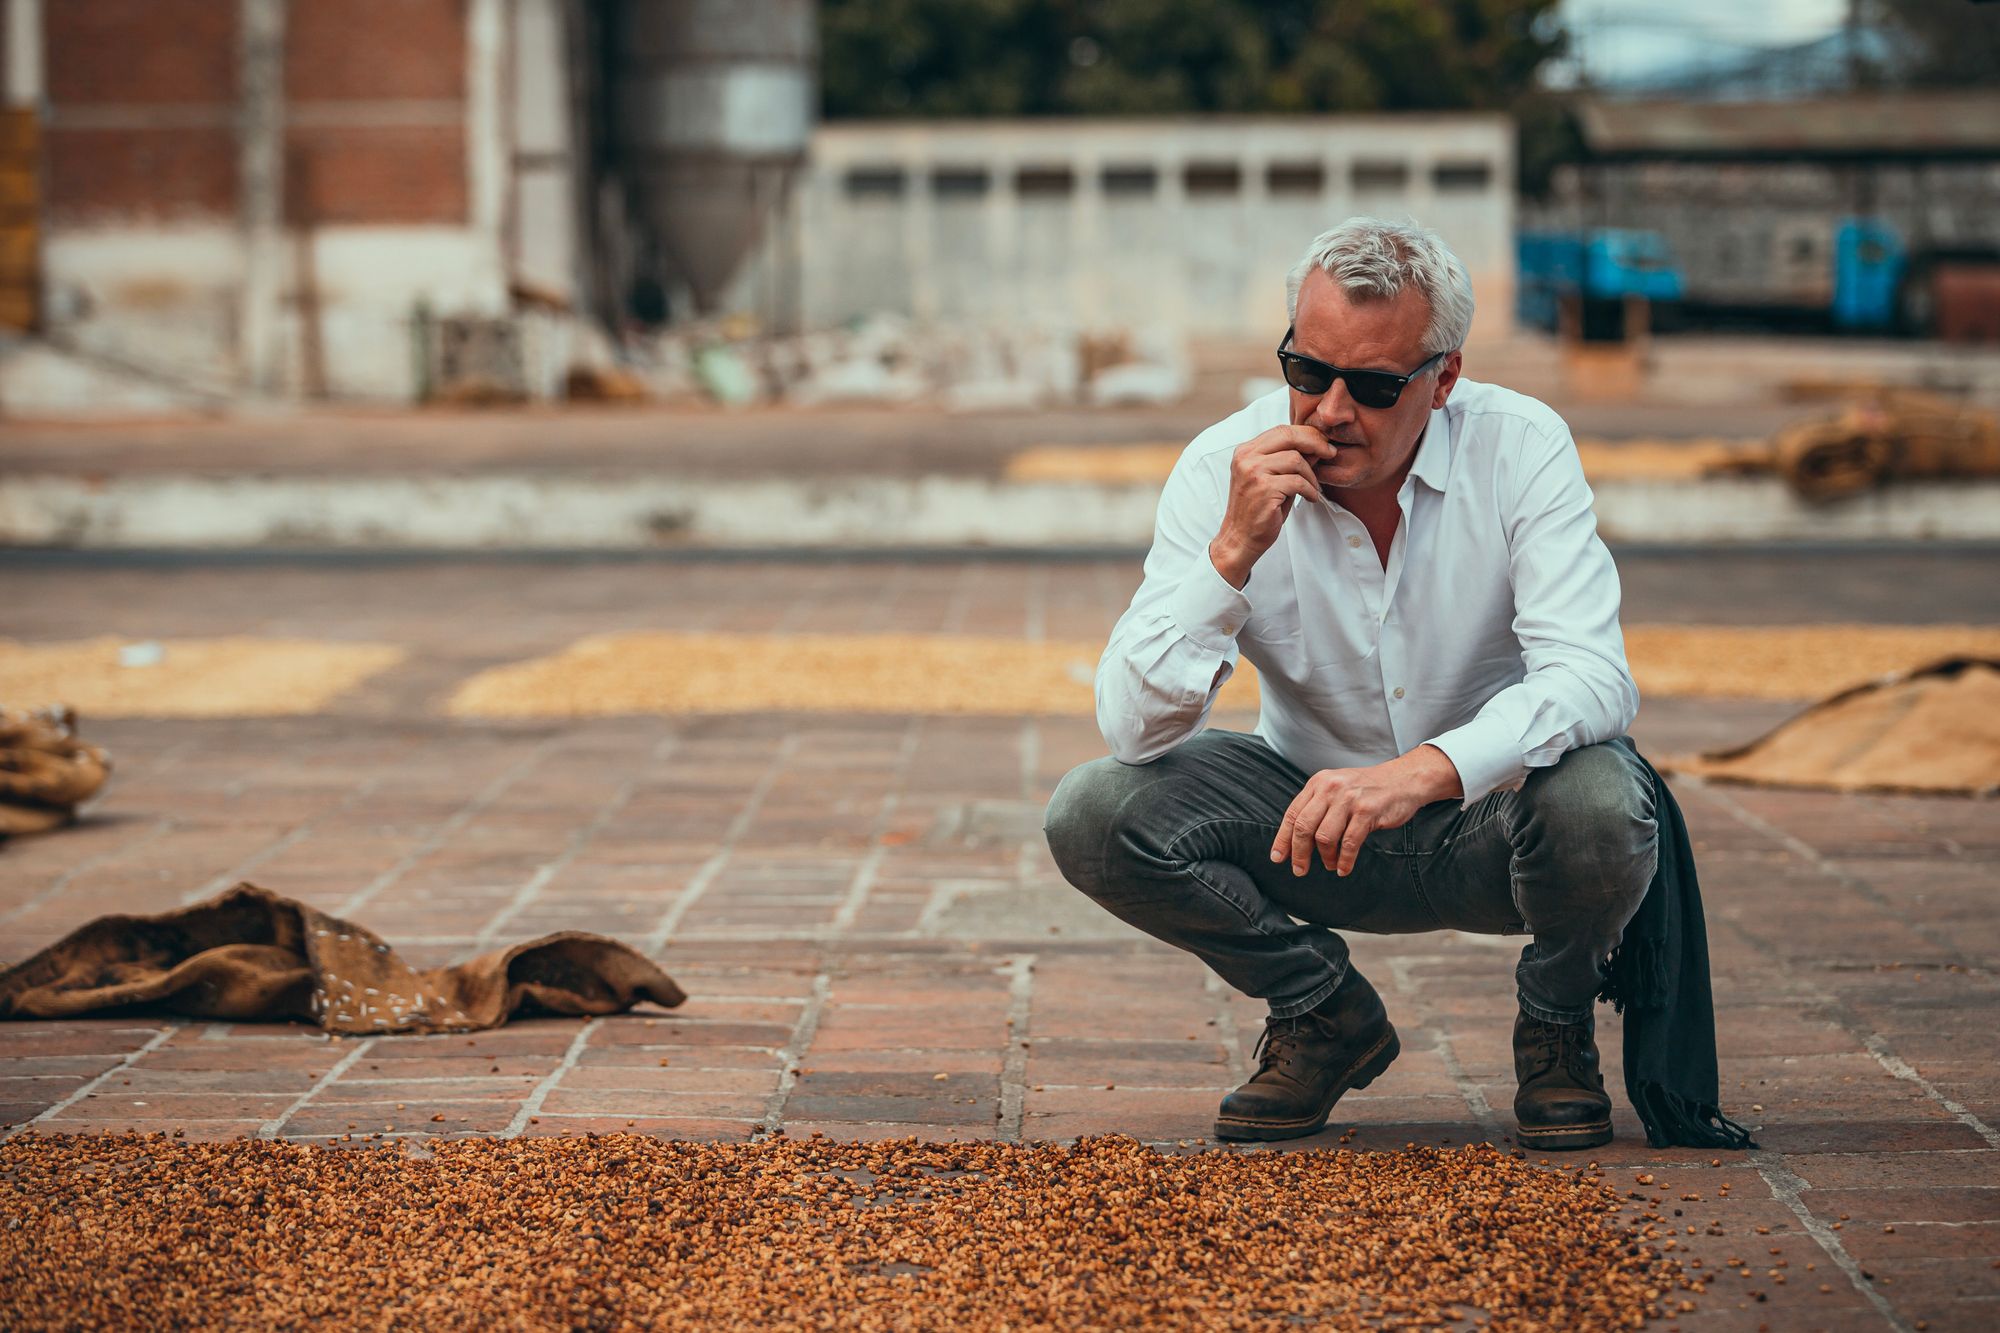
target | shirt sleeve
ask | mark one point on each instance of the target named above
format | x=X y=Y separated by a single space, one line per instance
x=1175 y=646
x=1578 y=689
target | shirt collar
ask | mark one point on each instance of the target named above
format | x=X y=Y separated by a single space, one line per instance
x=1433 y=461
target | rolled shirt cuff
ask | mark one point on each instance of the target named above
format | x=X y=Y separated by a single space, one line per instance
x=1486 y=755
x=1207 y=609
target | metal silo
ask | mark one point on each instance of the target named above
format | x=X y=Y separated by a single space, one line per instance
x=712 y=109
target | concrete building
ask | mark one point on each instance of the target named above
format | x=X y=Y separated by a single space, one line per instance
x=1185 y=225
x=255 y=195
x=1753 y=201
x=368 y=199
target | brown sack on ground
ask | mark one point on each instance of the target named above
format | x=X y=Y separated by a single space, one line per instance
x=45 y=772
x=1935 y=729
x=250 y=954
x=1895 y=436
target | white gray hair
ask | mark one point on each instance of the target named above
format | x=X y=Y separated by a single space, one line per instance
x=1374 y=260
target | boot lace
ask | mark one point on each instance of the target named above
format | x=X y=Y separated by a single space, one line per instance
x=1276 y=1044
x=1562 y=1046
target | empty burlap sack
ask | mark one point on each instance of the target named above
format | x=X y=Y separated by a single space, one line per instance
x=45 y=772
x=1935 y=729
x=1894 y=436
x=249 y=954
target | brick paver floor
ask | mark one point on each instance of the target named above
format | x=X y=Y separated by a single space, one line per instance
x=876 y=943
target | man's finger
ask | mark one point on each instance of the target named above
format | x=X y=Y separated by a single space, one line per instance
x=1326 y=836
x=1303 y=829
x=1358 y=829
x=1299 y=485
x=1292 y=439
x=1312 y=491
x=1311 y=444
x=1283 y=842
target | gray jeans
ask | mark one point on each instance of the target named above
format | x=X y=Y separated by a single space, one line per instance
x=1180 y=848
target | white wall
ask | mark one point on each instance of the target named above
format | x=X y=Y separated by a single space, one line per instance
x=541 y=224
x=164 y=299
x=1175 y=256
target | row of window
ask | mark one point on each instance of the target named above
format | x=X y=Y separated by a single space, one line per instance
x=1198 y=179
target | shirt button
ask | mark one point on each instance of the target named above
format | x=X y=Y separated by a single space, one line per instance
x=1354 y=542
x=1399 y=691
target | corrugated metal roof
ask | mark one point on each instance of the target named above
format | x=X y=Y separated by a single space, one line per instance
x=1914 y=123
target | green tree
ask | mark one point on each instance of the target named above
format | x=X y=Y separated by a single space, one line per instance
x=1168 y=57
x=1951 y=43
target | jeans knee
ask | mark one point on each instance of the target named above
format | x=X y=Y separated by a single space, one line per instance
x=1589 y=823
x=1597 y=794
x=1082 y=816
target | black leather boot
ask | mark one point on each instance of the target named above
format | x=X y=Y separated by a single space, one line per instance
x=1562 y=1103
x=1304 y=1064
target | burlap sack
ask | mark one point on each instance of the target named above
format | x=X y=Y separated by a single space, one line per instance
x=1894 y=436
x=248 y=954
x=1935 y=730
x=45 y=772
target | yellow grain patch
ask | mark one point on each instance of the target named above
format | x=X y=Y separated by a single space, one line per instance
x=975 y=676
x=1104 y=464
x=737 y=673
x=1603 y=461
x=1665 y=460
x=229 y=677
x=1789 y=661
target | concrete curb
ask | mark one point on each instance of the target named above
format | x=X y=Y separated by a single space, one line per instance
x=582 y=512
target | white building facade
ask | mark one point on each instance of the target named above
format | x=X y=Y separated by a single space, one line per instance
x=1187 y=226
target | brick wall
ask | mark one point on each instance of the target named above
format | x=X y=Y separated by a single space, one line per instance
x=108 y=52
x=390 y=50
x=362 y=174
x=378 y=102
x=143 y=97
x=141 y=94
x=115 y=175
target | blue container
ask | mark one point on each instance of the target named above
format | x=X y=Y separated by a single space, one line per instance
x=1550 y=266
x=1630 y=263
x=1868 y=261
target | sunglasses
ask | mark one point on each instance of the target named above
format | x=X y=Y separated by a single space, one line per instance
x=1371 y=388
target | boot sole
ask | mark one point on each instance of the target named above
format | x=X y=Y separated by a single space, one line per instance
x=1562 y=1138
x=1359 y=1075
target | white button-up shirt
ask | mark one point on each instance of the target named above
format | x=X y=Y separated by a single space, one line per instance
x=1492 y=633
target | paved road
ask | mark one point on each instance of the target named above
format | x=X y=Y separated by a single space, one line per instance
x=860 y=904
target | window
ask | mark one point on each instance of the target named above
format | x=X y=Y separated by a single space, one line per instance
x=960 y=182
x=1376 y=175
x=1295 y=178
x=1129 y=181
x=1462 y=177
x=1209 y=179
x=1055 y=182
x=875 y=182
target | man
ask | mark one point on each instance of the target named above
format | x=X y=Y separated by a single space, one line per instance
x=1411 y=561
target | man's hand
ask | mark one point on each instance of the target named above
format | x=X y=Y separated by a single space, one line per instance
x=1266 y=475
x=1339 y=807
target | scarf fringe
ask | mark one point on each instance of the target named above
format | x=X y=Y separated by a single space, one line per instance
x=1672 y=1121
x=1636 y=977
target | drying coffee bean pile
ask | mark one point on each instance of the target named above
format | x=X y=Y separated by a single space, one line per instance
x=238 y=676
x=622 y=1231
x=960 y=675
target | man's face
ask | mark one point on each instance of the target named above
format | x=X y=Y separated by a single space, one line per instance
x=1376 y=443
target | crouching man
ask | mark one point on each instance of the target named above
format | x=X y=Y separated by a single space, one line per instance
x=1410 y=560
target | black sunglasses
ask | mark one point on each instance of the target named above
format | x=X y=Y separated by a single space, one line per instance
x=1371 y=388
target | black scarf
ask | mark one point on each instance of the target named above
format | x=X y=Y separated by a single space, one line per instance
x=1658 y=978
